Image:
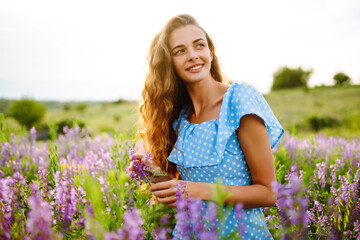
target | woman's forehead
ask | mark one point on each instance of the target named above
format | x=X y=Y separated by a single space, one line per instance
x=186 y=34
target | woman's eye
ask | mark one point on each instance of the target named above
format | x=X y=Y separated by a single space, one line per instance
x=179 y=51
x=200 y=45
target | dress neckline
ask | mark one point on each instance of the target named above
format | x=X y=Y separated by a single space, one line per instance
x=187 y=111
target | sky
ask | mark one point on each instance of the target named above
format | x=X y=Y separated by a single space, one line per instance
x=83 y=50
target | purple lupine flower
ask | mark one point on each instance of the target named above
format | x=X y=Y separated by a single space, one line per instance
x=7 y=194
x=335 y=168
x=182 y=216
x=191 y=222
x=195 y=208
x=321 y=173
x=292 y=206
x=132 y=228
x=20 y=179
x=113 y=236
x=210 y=223
x=163 y=232
x=45 y=189
x=141 y=171
x=240 y=214
x=348 y=152
x=290 y=143
x=357 y=229
x=148 y=157
x=39 y=219
x=5 y=152
x=32 y=136
x=66 y=197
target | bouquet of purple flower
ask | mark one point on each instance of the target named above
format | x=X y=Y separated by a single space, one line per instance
x=143 y=173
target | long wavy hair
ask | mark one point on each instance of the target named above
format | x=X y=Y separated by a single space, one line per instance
x=164 y=94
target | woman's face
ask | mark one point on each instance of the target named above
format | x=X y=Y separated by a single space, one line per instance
x=190 y=53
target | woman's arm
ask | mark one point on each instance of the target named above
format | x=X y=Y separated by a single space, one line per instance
x=255 y=144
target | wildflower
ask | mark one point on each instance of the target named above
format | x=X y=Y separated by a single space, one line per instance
x=32 y=135
x=195 y=208
x=210 y=223
x=141 y=171
x=5 y=152
x=292 y=207
x=39 y=218
x=182 y=203
x=321 y=173
x=163 y=232
x=132 y=228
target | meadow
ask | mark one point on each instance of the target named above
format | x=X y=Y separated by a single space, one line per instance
x=75 y=185
x=293 y=107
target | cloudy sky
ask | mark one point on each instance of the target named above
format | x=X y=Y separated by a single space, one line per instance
x=95 y=50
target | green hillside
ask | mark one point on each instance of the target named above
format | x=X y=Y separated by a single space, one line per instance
x=293 y=108
x=102 y=117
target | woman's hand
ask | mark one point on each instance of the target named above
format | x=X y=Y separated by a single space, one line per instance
x=165 y=192
x=140 y=157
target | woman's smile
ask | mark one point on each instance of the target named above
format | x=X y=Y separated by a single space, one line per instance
x=195 y=68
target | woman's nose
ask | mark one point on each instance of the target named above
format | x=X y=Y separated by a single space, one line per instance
x=192 y=55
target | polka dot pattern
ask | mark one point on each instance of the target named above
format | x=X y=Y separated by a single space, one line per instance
x=209 y=151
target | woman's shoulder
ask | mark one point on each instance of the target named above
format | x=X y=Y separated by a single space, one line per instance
x=240 y=92
x=242 y=87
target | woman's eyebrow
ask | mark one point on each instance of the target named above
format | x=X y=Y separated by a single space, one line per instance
x=199 y=39
x=182 y=45
x=177 y=46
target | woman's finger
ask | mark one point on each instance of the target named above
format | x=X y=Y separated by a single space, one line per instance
x=171 y=205
x=167 y=200
x=164 y=185
x=165 y=193
x=137 y=156
x=141 y=157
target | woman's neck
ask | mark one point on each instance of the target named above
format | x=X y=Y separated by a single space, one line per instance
x=205 y=95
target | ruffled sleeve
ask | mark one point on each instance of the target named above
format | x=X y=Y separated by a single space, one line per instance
x=238 y=101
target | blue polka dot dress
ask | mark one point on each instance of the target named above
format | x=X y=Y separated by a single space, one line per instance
x=210 y=151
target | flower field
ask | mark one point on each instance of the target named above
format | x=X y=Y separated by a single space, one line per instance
x=75 y=186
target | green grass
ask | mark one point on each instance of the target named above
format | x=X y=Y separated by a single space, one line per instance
x=293 y=106
x=102 y=117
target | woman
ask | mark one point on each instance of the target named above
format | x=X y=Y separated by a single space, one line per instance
x=206 y=130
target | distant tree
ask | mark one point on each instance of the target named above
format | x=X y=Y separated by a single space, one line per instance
x=70 y=123
x=286 y=77
x=341 y=79
x=27 y=112
x=81 y=107
x=66 y=107
x=119 y=101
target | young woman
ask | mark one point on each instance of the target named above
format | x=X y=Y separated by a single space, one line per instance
x=206 y=130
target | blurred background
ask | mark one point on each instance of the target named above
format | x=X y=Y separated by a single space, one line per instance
x=66 y=62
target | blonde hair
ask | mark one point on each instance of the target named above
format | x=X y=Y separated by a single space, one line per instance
x=164 y=94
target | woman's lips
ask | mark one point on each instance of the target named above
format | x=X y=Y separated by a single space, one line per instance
x=195 y=68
